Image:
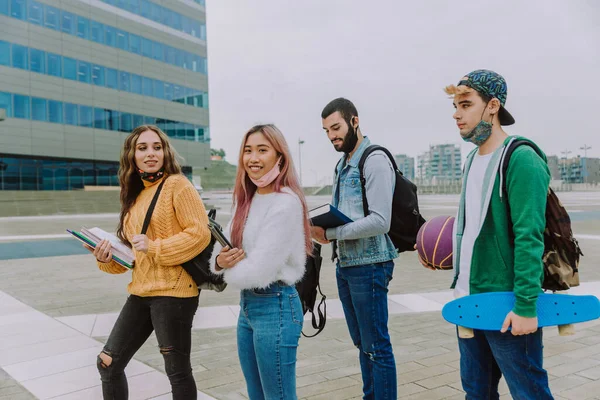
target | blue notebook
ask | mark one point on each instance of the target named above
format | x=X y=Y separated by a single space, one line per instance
x=327 y=216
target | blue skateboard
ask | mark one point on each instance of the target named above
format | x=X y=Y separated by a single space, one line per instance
x=487 y=311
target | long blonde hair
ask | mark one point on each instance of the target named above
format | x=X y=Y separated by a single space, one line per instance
x=244 y=189
x=129 y=179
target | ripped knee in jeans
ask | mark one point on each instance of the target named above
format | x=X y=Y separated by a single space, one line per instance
x=105 y=359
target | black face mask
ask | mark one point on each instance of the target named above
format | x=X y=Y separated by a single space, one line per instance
x=351 y=138
x=151 y=176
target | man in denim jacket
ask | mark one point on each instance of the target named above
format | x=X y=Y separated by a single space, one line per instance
x=365 y=252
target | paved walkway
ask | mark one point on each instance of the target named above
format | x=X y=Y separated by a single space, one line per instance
x=57 y=308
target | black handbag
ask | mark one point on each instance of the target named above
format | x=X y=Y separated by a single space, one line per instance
x=199 y=266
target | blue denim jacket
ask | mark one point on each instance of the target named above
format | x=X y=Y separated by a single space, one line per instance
x=369 y=250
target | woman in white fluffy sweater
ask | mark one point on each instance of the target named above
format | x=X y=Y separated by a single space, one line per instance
x=271 y=239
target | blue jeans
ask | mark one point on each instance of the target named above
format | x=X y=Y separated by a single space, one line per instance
x=268 y=332
x=491 y=354
x=363 y=294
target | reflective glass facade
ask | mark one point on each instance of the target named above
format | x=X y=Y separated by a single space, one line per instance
x=85 y=28
x=98 y=75
x=45 y=110
x=44 y=173
x=162 y=15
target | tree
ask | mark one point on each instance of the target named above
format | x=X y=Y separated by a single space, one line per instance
x=219 y=152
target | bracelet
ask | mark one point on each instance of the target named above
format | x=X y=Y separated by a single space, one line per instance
x=217 y=266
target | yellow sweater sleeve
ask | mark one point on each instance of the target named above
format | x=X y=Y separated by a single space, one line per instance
x=112 y=267
x=195 y=235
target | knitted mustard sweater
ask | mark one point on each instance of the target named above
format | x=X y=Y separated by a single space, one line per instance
x=178 y=231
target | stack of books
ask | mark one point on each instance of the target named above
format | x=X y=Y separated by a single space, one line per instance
x=122 y=254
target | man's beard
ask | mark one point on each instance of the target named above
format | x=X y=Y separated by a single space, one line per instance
x=350 y=140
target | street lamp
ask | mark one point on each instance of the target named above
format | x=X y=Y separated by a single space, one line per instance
x=585 y=148
x=300 y=143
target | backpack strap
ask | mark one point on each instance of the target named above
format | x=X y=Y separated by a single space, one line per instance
x=505 y=162
x=151 y=208
x=322 y=315
x=361 y=167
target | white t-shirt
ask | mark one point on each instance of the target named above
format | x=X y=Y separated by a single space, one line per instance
x=473 y=204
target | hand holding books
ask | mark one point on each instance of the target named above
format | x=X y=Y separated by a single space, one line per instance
x=102 y=252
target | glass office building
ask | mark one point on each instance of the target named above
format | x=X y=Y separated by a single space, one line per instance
x=76 y=76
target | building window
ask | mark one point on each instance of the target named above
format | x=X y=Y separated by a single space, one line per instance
x=159 y=89
x=157 y=52
x=52 y=18
x=134 y=43
x=113 y=120
x=6 y=104
x=36 y=13
x=137 y=120
x=97 y=32
x=111 y=78
x=18 y=9
x=68 y=22
x=70 y=68
x=98 y=75
x=122 y=40
x=38 y=109
x=71 y=114
x=83 y=27
x=136 y=84
x=54 y=65
x=100 y=118
x=4 y=52
x=4 y=7
x=19 y=56
x=146 y=47
x=83 y=72
x=37 y=61
x=178 y=94
x=126 y=122
x=21 y=106
x=147 y=87
x=86 y=116
x=109 y=36
x=168 y=91
x=55 y=111
x=124 y=81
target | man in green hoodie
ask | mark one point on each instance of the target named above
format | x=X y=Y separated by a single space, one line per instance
x=492 y=254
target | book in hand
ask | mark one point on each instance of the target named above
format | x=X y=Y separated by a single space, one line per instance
x=327 y=216
x=122 y=254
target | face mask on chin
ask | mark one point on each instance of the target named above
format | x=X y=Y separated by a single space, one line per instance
x=269 y=177
x=481 y=133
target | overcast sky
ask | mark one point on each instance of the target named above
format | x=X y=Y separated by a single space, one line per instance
x=281 y=61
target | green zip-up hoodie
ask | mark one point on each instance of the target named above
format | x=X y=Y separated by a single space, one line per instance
x=501 y=263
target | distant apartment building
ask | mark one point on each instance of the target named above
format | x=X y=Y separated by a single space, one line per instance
x=406 y=165
x=441 y=164
x=579 y=170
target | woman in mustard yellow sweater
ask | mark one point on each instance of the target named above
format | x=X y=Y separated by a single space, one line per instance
x=163 y=297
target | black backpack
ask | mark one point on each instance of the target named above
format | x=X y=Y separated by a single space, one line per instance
x=406 y=218
x=561 y=249
x=307 y=290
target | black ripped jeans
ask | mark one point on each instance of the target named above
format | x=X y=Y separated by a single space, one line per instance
x=171 y=318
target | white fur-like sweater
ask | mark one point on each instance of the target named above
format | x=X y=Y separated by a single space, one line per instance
x=273 y=241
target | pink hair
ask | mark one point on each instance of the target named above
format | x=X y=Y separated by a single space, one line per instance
x=244 y=189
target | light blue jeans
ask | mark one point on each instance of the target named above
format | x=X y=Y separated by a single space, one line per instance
x=269 y=328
